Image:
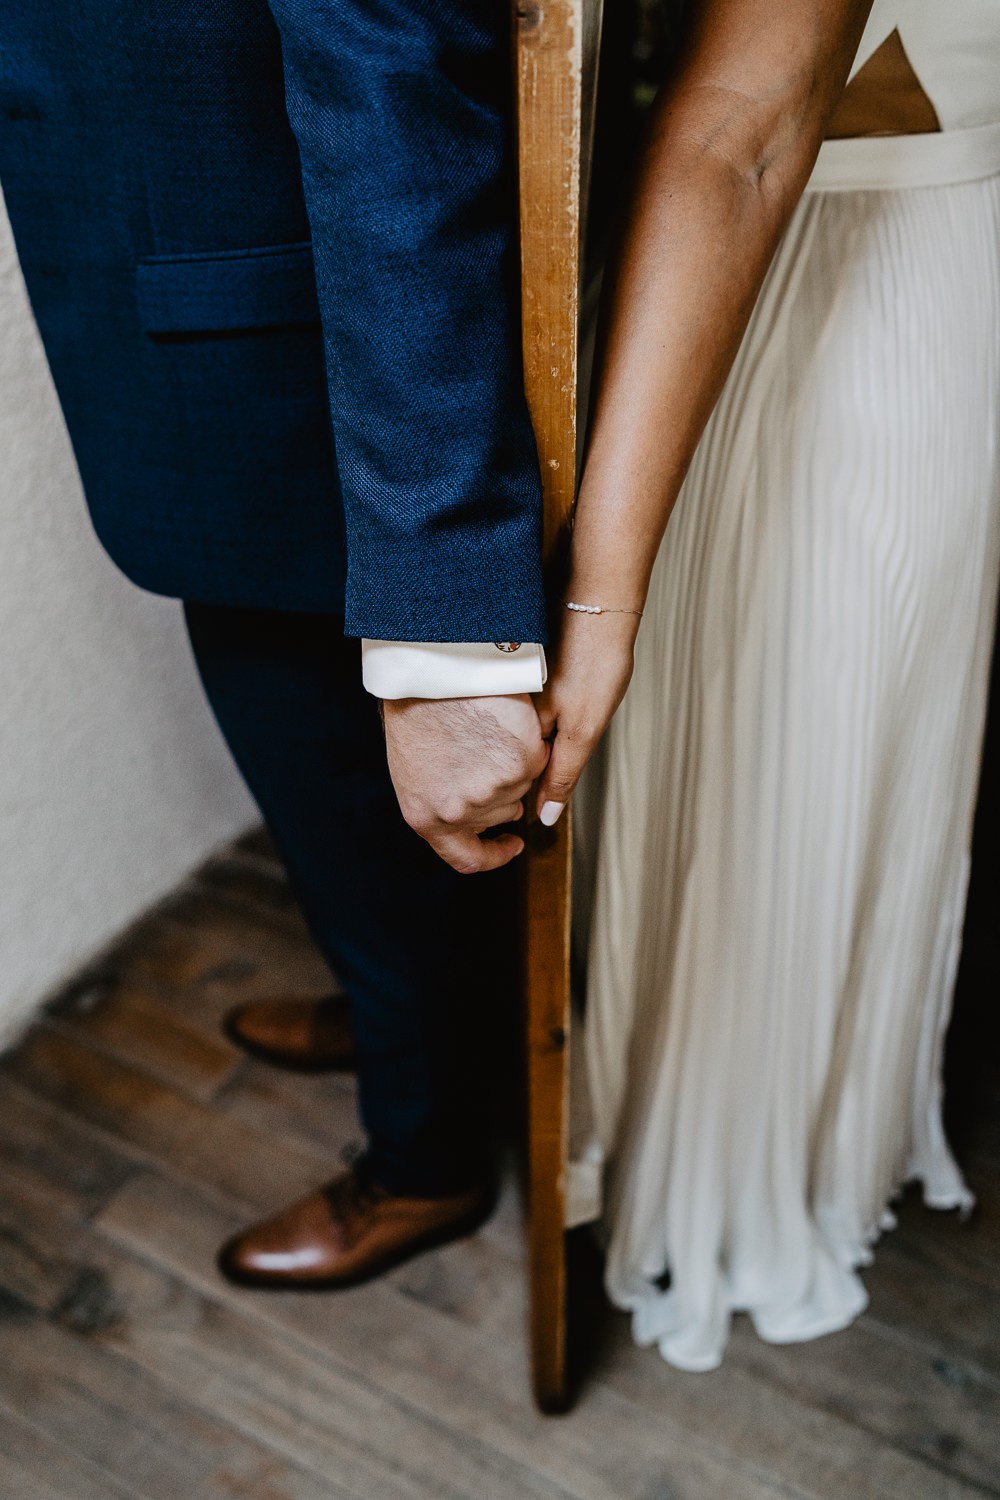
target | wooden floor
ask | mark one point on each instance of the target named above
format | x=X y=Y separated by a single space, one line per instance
x=133 y=1138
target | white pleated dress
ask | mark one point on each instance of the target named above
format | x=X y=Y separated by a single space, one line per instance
x=774 y=845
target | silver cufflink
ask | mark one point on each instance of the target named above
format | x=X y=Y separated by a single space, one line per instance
x=507 y=645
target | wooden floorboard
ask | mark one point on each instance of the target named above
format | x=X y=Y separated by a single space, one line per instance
x=134 y=1137
x=115 y=1417
x=469 y=1378
x=136 y=1109
x=138 y=1028
x=33 y=1466
x=316 y=1115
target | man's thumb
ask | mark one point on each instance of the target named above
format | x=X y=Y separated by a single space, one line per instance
x=562 y=773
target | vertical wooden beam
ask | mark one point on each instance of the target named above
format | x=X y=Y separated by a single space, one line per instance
x=549 y=48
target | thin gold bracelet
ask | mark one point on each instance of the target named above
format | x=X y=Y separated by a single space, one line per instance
x=598 y=609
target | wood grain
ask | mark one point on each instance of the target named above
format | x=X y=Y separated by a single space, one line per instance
x=128 y=1367
x=133 y=1027
x=549 y=52
x=125 y=1103
x=438 y=1364
x=33 y=1466
x=119 y=1419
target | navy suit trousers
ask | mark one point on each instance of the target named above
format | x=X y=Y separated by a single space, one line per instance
x=418 y=948
x=271 y=250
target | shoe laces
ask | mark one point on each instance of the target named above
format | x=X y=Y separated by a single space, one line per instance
x=350 y=1198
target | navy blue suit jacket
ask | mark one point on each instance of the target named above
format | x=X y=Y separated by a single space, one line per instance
x=238 y=220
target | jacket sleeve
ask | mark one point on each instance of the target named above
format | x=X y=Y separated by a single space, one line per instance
x=401 y=109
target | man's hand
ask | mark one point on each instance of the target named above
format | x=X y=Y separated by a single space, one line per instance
x=461 y=766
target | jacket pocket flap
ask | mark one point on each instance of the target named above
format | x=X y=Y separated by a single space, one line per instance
x=233 y=289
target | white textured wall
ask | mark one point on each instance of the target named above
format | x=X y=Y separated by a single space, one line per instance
x=114 y=781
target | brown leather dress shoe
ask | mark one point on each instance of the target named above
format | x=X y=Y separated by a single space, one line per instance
x=345 y=1233
x=307 y=1035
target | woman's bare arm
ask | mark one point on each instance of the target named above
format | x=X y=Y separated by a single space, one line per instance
x=732 y=141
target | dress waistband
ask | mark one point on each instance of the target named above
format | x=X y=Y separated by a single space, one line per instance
x=904 y=161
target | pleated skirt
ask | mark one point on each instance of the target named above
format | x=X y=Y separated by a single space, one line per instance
x=774 y=843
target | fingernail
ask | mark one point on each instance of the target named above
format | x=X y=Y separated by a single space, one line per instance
x=550 y=813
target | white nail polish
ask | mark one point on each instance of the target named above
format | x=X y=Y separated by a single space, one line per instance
x=550 y=813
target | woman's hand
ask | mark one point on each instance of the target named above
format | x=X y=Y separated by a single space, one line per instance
x=593 y=666
x=729 y=148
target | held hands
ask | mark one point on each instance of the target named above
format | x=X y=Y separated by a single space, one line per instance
x=593 y=667
x=461 y=766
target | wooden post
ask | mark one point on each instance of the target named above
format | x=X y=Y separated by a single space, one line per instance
x=550 y=51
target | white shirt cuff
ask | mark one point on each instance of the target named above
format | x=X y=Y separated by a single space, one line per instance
x=478 y=669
